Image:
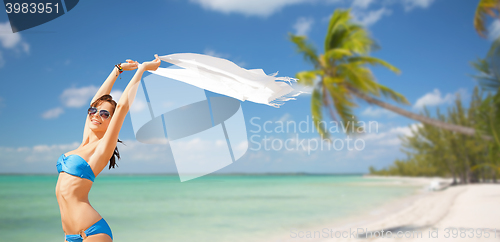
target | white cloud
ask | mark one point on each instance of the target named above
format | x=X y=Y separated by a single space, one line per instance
x=369 y=18
x=196 y=146
x=136 y=157
x=406 y=130
x=285 y=117
x=294 y=144
x=138 y=105
x=362 y=3
x=434 y=98
x=8 y=40
x=303 y=25
x=78 y=97
x=167 y=104
x=390 y=137
x=351 y=147
x=39 y=153
x=214 y=53
x=136 y=152
x=362 y=15
x=11 y=41
x=262 y=8
x=116 y=94
x=211 y=52
x=411 y=4
x=305 y=90
x=52 y=113
x=59 y=147
x=377 y=112
x=26 y=47
x=241 y=147
x=200 y=155
x=265 y=8
x=494 y=30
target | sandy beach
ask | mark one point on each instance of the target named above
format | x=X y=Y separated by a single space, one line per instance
x=455 y=213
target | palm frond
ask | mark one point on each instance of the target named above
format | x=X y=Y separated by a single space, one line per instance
x=489 y=110
x=308 y=78
x=374 y=90
x=387 y=92
x=317 y=113
x=494 y=48
x=345 y=112
x=333 y=34
x=357 y=76
x=341 y=100
x=487 y=78
x=484 y=8
x=337 y=53
x=481 y=65
x=373 y=61
x=359 y=40
x=305 y=48
x=327 y=102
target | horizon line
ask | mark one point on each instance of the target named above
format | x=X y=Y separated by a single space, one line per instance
x=216 y=174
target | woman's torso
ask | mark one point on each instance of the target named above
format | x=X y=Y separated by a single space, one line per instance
x=72 y=196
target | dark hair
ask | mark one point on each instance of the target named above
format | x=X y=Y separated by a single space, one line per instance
x=112 y=161
x=109 y=99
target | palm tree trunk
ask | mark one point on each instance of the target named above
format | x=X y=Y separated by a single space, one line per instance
x=414 y=116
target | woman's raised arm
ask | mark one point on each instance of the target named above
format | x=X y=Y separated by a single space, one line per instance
x=108 y=142
x=106 y=89
x=110 y=81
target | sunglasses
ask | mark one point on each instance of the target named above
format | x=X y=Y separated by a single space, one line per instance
x=103 y=113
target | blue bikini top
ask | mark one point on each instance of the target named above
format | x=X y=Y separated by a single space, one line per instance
x=75 y=165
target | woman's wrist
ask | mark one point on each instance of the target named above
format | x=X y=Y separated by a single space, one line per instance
x=141 y=68
x=119 y=68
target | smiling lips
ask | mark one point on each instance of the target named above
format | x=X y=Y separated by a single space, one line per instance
x=95 y=121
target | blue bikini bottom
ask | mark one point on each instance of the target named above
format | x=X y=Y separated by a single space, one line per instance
x=101 y=227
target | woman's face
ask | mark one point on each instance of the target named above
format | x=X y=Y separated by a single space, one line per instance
x=96 y=122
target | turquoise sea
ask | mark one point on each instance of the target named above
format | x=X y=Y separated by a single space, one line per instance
x=211 y=208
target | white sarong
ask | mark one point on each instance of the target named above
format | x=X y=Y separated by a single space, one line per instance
x=225 y=77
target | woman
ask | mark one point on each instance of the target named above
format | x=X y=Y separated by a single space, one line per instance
x=78 y=168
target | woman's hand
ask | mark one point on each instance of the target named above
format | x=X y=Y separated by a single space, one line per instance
x=130 y=65
x=151 y=65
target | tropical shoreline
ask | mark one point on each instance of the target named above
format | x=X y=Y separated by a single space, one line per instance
x=424 y=216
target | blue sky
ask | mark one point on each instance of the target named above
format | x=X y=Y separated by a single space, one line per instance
x=49 y=73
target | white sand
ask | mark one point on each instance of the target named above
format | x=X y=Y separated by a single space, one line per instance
x=465 y=206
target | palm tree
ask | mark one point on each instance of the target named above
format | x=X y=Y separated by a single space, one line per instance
x=488 y=77
x=341 y=73
x=489 y=80
x=485 y=7
x=488 y=71
x=433 y=151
